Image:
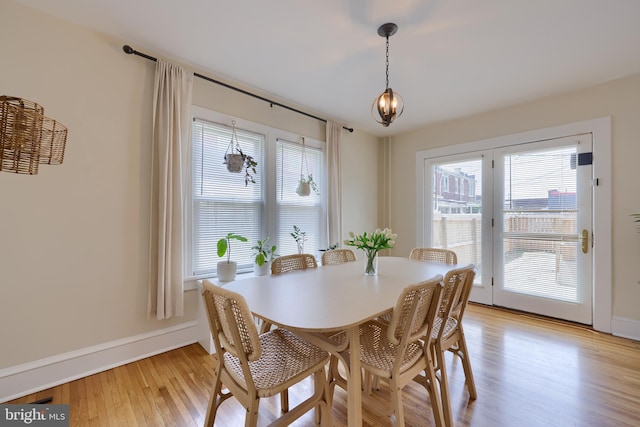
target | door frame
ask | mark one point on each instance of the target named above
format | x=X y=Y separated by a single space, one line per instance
x=600 y=128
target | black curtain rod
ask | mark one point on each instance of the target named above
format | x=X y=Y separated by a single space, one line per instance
x=128 y=49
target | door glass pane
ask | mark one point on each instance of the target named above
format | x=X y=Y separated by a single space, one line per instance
x=457 y=210
x=540 y=240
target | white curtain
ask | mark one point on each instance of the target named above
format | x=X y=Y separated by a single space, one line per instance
x=334 y=182
x=170 y=148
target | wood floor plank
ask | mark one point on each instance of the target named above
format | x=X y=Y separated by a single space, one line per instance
x=529 y=371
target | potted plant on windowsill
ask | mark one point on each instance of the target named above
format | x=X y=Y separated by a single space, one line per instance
x=299 y=236
x=227 y=269
x=264 y=254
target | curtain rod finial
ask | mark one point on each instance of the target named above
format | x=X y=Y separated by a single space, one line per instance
x=128 y=49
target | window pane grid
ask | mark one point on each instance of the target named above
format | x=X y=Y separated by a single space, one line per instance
x=222 y=203
x=540 y=223
x=457 y=211
x=292 y=209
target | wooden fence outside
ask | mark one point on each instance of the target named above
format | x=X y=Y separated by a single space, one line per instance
x=462 y=233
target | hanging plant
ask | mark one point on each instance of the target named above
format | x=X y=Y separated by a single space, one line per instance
x=306 y=183
x=235 y=159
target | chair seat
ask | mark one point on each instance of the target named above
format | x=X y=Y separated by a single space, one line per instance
x=398 y=351
x=378 y=354
x=450 y=327
x=285 y=360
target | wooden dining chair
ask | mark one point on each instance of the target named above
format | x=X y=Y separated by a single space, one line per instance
x=253 y=366
x=338 y=256
x=399 y=352
x=448 y=333
x=445 y=256
x=286 y=263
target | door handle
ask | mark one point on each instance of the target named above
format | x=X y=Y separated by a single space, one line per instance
x=585 y=241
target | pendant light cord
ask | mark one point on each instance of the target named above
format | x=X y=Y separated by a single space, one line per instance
x=387 y=63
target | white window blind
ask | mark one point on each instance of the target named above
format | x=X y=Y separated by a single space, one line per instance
x=306 y=212
x=222 y=203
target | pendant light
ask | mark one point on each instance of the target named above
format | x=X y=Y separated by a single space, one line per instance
x=389 y=105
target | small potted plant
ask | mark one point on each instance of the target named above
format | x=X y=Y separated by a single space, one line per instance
x=235 y=159
x=263 y=256
x=299 y=236
x=306 y=184
x=227 y=269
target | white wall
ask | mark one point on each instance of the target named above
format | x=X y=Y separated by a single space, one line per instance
x=619 y=99
x=74 y=238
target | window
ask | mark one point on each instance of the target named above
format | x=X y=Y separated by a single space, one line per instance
x=292 y=209
x=444 y=184
x=221 y=203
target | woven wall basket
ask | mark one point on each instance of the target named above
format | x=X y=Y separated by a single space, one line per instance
x=27 y=137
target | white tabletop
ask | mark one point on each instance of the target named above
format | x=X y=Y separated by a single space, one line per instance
x=332 y=297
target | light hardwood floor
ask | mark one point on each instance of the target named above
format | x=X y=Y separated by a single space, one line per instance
x=529 y=372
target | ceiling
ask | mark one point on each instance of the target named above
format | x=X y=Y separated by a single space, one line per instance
x=449 y=58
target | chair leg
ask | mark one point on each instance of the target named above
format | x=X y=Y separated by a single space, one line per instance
x=463 y=353
x=284 y=401
x=396 y=401
x=434 y=393
x=374 y=383
x=367 y=382
x=444 y=388
x=322 y=411
x=332 y=375
x=214 y=402
x=251 y=419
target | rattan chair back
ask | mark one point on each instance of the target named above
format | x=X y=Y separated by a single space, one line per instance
x=414 y=312
x=294 y=262
x=448 y=333
x=445 y=256
x=232 y=323
x=399 y=351
x=455 y=291
x=253 y=366
x=338 y=256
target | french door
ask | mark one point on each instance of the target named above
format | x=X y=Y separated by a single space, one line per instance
x=543 y=228
x=459 y=213
x=523 y=215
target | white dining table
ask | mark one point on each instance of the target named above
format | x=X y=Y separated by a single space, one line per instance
x=334 y=298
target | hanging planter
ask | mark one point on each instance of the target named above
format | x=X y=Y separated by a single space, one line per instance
x=306 y=183
x=236 y=160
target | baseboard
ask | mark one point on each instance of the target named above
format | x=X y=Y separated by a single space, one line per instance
x=21 y=380
x=626 y=328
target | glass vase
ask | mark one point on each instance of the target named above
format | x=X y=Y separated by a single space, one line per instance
x=371 y=263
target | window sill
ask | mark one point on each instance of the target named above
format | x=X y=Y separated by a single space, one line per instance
x=196 y=284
